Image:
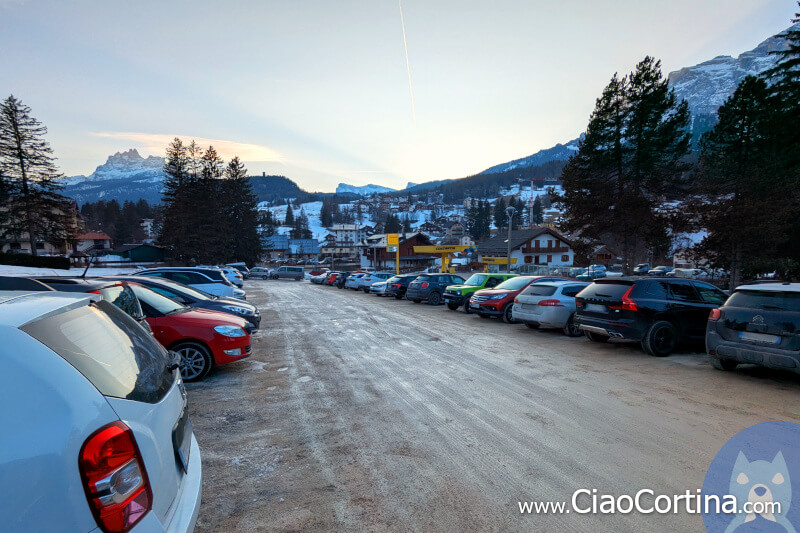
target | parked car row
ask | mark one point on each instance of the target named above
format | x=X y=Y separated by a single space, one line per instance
x=758 y=323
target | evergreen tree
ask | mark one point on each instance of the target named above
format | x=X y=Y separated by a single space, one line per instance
x=29 y=178
x=392 y=224
x=500 y=217
x=538 y=211
x=244 y=242
x=407 y=225
x=176 y=198
x=289 y=220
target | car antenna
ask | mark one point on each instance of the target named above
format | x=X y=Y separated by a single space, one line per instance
x=85 y=270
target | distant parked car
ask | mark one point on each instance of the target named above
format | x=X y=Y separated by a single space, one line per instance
x=499 y=301
x=352 y=281
x=460 y=293
x=287 y=272
x=242 y=268
x=94 y=406
x=691 y=273
x=658 y=312
x=318 y=271
x=550 y=304
x=398 y=285
x=183 y=294
x=341 y=279
x=259 y=273
x=319 y=279
x=592 y=273
x=660 y=271
x=366 y=281
x=203 y=338
x=378 y=288
x=758 y=324
x=642 y=269
x=233 y=275
x=210 y=280
x=431 y=287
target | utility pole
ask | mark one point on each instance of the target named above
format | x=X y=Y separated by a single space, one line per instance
x=510 y=213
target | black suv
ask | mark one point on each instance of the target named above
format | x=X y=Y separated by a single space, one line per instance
x=758 y=324
x=398 y=285
x=430 y=287
x=657 y=312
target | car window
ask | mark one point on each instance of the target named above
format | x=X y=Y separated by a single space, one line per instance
x=711 y=294
x=683 y=292
x=572 y=290
x=771 y=300
x=110 y=349
x=605 y=291
x=157 y=274
x=476 y=280
x=164 y=292
x=537 y=289
x=455 y=280
x=123 y=297
x=492 y=282
x=154 y=301
x=515 y=284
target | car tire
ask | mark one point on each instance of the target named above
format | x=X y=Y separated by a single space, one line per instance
x=452 y=307
x=466 y=306
x=416 y=300
x=723 y=364
x=196 y=361
x=570 y=328
x=661 y=339
x=434 y=298
x=366 y=290
x=297 y=279
x=596 y=337
x=531 y=325
x=398 y=296
x=274 y=276
x=508 y=314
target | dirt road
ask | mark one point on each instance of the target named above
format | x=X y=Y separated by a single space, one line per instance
x=359 y=413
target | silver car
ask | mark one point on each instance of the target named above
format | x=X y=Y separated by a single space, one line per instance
x=288 y=272
x=549 y=304
x=378 y=288
x=96 y=433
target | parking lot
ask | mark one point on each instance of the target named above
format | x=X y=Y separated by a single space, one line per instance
x=364 y=413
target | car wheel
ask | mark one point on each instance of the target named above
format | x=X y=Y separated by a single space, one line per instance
x=571 y=329
x=398 y=296
x=508 y=314
x=531 y=325
x=723 y=364
x=274 y=276
x=366 y=290
x=434 y=298
x=196 y=361
x=596 y=337
x=452 y=307
x=661 y=339
x=416 y=300
x=466 y=306
x=297 y=279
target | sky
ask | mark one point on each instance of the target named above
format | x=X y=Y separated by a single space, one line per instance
x=321 y=90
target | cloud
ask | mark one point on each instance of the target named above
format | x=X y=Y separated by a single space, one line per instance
x=156 y=143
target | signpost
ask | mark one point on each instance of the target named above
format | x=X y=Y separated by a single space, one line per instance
x=393 y=245
x=444 y=251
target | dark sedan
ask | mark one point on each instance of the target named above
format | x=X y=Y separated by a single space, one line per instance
x=398 y=285
x=194 y=298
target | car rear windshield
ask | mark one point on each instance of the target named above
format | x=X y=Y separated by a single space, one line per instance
x=770 y=300
x=110 y=349
x=605 y=291
x=538 y=289
x=514 y=284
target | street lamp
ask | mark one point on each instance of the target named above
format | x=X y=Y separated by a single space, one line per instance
x=510 y=212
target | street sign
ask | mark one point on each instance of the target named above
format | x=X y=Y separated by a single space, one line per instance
x=391 y=248
x=439 y=249
x=392 y=239
x=497 y=260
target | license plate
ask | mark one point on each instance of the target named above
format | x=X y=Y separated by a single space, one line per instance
x=594 y=308
x=759 y=337
x=446 y=300
x=182 y=439
x=475 y=306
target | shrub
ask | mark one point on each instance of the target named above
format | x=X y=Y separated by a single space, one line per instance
x=38 y=261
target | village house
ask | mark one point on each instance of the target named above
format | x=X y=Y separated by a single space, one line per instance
x=537 y=246
x=374 y=253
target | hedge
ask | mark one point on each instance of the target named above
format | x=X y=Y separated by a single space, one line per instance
x=39 y=261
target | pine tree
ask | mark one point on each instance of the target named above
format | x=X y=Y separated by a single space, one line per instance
x=499 y=214
x=244 y=242
x=176 y=199
x=289 y=220
x=29 y=178
x=392 y=224
x=538 y=211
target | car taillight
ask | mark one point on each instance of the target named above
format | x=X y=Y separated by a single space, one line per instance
x=516 y=300
x=627 y=304
x=425 y=285
x=93 y=292
x=550 y=303
x=396 y=285
x=114 y=478
x=714 y=315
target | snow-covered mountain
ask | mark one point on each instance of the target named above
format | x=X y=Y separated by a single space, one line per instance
x=363 y=190
x=124 y=176
x=560 y=152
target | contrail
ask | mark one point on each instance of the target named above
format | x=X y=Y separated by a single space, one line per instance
x=408 y=65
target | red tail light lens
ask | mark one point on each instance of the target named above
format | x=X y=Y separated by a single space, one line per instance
x=714 y=315
x=114 y=478
x=550 y=303
x=627 y=303
x=425 y=285
x=516 y=300
x=93 y=292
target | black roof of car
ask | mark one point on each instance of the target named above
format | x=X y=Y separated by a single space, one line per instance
x=15 y=283
x=75 y=284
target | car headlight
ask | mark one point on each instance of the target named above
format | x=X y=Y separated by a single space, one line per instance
x=496 y=297
x=239 y=310
x=230 y=331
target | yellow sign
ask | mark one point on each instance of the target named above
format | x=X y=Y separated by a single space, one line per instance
x=392 y=239
x=439 y=249
x=497 y=260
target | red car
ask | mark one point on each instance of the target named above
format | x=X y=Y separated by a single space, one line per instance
x=331 y=278
x=202 y=337
x=499 y=300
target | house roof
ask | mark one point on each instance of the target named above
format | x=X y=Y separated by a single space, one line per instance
x=94 y=236
x=498 y=244
x=122 y=248
x=379 y=239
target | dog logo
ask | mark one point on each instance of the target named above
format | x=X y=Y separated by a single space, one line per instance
x=766 y=486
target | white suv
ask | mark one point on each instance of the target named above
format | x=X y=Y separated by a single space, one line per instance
x=95 y=426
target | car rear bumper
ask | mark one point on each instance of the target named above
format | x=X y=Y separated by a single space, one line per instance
x=549 y=317
x=716 y=346
x=416 y=294
x=623 y=329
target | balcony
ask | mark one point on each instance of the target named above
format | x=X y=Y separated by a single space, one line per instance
x=558 y=249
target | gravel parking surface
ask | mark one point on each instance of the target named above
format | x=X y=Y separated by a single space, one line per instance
x=360 y=413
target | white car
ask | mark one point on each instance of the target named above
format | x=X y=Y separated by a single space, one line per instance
x=96 y=434
x=233 y=275
x=259 y=273
x=210 y=280
x=378 y=288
